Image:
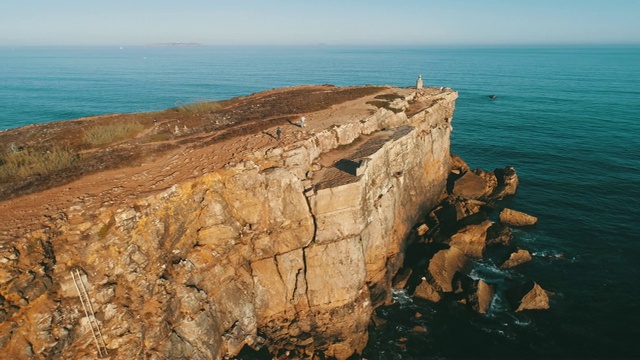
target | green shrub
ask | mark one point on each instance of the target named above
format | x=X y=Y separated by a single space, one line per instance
x=27 y=162
x=106 y=134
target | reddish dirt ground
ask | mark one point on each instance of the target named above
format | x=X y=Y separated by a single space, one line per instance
x=159 y=156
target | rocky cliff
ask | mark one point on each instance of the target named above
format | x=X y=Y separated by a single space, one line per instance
x=288 y=246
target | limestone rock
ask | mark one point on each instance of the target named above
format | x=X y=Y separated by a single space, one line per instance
x=335 y=272
x=507 y=182
x=469 y=186
x=471 y=239
x=490 y=181
x=401 y=278
x=519 y=257
x=485 y=295
x=465 y=208
x=208 y=254
x=444 y=265
x=458 y=165
x=480 y=296
x=516 y=218
x=422 y=229
x=427 y=292
x=499 y=234
x=536 y=299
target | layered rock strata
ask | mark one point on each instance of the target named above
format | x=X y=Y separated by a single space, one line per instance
x=288 y=248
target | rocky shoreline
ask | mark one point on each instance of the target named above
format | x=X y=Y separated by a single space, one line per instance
x=463 y=227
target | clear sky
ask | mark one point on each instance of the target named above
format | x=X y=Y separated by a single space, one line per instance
x=306 y=22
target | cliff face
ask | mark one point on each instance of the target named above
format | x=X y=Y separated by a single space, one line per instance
x=290 y=248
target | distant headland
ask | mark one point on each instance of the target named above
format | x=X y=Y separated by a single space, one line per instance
x=175 y=44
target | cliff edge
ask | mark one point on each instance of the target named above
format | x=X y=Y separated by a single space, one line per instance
x=229 y=238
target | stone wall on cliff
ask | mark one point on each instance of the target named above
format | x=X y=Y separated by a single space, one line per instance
x=275 y=250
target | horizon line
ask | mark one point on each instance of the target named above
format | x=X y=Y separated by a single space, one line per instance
x=197 y=44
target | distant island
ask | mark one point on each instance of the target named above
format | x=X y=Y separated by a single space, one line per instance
x=176 y=44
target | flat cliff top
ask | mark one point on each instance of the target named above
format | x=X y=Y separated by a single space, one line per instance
x=147 y=153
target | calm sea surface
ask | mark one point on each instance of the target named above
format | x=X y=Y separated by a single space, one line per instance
x=568 y=119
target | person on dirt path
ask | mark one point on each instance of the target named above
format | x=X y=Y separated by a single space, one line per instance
x=278 y=133
x=303 y=120
x=155 y=121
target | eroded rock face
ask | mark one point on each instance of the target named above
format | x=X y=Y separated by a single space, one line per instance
x=253 y=254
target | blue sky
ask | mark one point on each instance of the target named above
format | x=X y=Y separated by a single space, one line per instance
x=302 y=22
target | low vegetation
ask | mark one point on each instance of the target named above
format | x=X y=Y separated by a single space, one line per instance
x=18 y=164
x=107 y=134
x=199 y=107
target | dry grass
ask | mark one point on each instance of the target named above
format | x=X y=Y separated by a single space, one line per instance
x=17 y=165
x=200 y=107
x=107 y=134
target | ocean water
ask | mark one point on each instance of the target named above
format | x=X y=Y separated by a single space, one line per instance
x=567 y=117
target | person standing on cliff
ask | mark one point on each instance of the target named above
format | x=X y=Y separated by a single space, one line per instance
x=302 y=121
x=278 y=133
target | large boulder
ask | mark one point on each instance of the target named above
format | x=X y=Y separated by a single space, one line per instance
x=516 y=218
x=519 y=257
x=477 y=293
x=471 y=239
x=480 y=300
x=427 y=291
x=490 y=180
x=507 y=182
x=469 y=186
x=536 y=299
x=444 y=265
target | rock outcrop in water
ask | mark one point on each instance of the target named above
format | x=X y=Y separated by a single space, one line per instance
x=287 y=247
x=458 y=230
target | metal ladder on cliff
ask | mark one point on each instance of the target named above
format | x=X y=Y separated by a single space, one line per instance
x=89 y=313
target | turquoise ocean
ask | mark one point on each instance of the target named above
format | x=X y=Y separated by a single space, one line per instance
x=567 y=118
